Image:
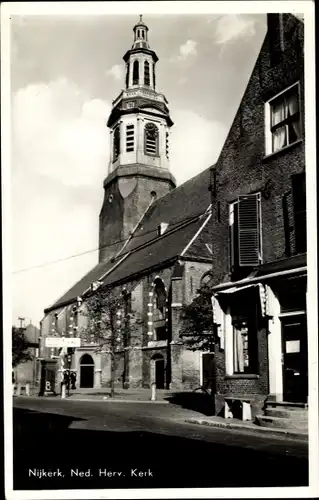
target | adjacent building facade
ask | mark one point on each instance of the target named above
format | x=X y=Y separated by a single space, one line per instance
x=259 y=273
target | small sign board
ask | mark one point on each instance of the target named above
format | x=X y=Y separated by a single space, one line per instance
x=62 y=342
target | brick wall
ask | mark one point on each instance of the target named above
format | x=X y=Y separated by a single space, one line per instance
x=243 y=168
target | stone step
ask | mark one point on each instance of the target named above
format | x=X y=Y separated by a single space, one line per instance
x=299 y=414
x=280 y=423
x=292 y=406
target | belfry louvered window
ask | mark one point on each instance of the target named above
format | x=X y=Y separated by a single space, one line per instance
x=135 y=72
x=151 y=139
x=146 y=73
x=295 y=222
x=245 y=234
x=153 y=65
x=129 y=138
x=116 y=143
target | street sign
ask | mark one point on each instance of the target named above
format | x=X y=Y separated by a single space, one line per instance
x=62 y=342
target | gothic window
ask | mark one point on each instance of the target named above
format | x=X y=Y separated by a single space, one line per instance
x=146 y=73
x=151 y=139
x=129 y=138
x=135 y=72
x=116 y=143
x=159 y=310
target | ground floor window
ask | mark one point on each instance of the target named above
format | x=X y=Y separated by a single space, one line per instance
x=245 y=346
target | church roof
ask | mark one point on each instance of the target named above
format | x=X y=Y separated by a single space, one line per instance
x=183 y=209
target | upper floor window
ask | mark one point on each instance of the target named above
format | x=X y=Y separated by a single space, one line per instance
x=129 y=138
x=135 y=72
x=167 y=145
x=283 y=122
x=151 y=139
x=146 y=73
x=245 y=232
x=294 y=206
x=116 y=143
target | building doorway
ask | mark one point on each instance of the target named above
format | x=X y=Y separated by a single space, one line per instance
x=207 y=371
x=295 y=358
x=158 y=371
x=86 y=371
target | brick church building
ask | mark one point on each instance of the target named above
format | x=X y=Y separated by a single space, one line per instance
x=239 y=227
x=155 y=239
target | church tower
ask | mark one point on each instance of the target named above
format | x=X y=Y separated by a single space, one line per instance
x=138 y=170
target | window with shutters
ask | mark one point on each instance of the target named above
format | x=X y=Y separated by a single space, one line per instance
x=129 y=138
x=151 y=139
x=146 y=73
x=245 y=232
x=135 y=73
x=283 y=120
x=295 y=216
x=116 y=143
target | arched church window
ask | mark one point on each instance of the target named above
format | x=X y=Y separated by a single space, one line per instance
x=116 y=143
x=151 y=139
x=159 y=310
x=135 y=72
x=146 y=73
x=129 y=138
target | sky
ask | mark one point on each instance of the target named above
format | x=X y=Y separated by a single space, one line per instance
x=65 y=71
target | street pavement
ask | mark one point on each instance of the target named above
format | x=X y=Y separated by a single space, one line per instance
x=143 y=445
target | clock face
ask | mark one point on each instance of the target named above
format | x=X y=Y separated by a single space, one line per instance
x=130 y=104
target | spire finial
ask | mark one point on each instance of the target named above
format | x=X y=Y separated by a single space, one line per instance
x=141 y=20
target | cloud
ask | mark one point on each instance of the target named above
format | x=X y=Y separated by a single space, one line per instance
x=58 y=132
x=231 y=27
x=186 y=50
x=117 y=71
x=195 y=143
x=60 y=153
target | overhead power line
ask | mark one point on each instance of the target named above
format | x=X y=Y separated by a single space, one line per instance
x=63 y=259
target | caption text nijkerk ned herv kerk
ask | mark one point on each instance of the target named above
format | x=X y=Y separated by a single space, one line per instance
x=42 y=473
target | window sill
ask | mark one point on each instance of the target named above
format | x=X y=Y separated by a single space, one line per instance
x=281 y=151
x=242 y=376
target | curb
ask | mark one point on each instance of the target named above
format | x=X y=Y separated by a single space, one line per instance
x=118 y=400
x=261 y=430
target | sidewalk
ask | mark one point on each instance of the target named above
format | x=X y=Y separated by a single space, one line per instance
x=121 y=395
x=249 y=427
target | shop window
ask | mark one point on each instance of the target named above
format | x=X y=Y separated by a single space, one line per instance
x=245 y=347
